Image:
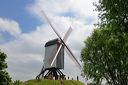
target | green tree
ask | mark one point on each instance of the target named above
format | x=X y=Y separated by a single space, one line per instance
x=113 y=12
x=4 y=76
x=105 y=55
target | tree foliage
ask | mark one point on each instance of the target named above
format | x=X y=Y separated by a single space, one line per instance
x=105 y=55
x=114 y=12
x=4 y=76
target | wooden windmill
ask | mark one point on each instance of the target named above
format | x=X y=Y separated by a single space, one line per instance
x=54 y=55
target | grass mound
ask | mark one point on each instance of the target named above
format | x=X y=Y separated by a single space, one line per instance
x=51 y=82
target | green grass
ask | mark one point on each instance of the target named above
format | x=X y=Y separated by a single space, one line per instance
x=51 y=82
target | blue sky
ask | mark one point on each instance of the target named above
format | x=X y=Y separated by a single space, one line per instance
x=23 y=32
x=17 y=10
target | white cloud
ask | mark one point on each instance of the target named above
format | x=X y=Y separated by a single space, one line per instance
x=10 y=26
x=81 y=9
x=26 y=52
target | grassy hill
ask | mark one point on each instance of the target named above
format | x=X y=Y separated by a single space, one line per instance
x=51 y=82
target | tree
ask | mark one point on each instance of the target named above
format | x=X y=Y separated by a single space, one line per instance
x=114 y=12
x=4 y=76
x=105 y=55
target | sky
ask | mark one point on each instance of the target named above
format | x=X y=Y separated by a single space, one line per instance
x=24 y=32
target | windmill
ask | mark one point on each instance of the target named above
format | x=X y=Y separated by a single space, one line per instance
x=54 y=55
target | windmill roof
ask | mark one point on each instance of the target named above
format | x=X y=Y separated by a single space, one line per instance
x=52 y=42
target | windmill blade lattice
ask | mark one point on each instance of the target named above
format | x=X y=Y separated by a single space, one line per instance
x=50 y=24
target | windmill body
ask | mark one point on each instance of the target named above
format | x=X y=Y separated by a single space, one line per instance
x=53 y=71
x=51 y=48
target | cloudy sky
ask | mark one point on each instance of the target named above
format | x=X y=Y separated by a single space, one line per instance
x=24 y=32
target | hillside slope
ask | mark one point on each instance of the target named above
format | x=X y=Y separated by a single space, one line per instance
x=51 y=82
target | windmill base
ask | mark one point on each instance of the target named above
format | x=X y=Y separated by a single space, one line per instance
x=52 y=73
